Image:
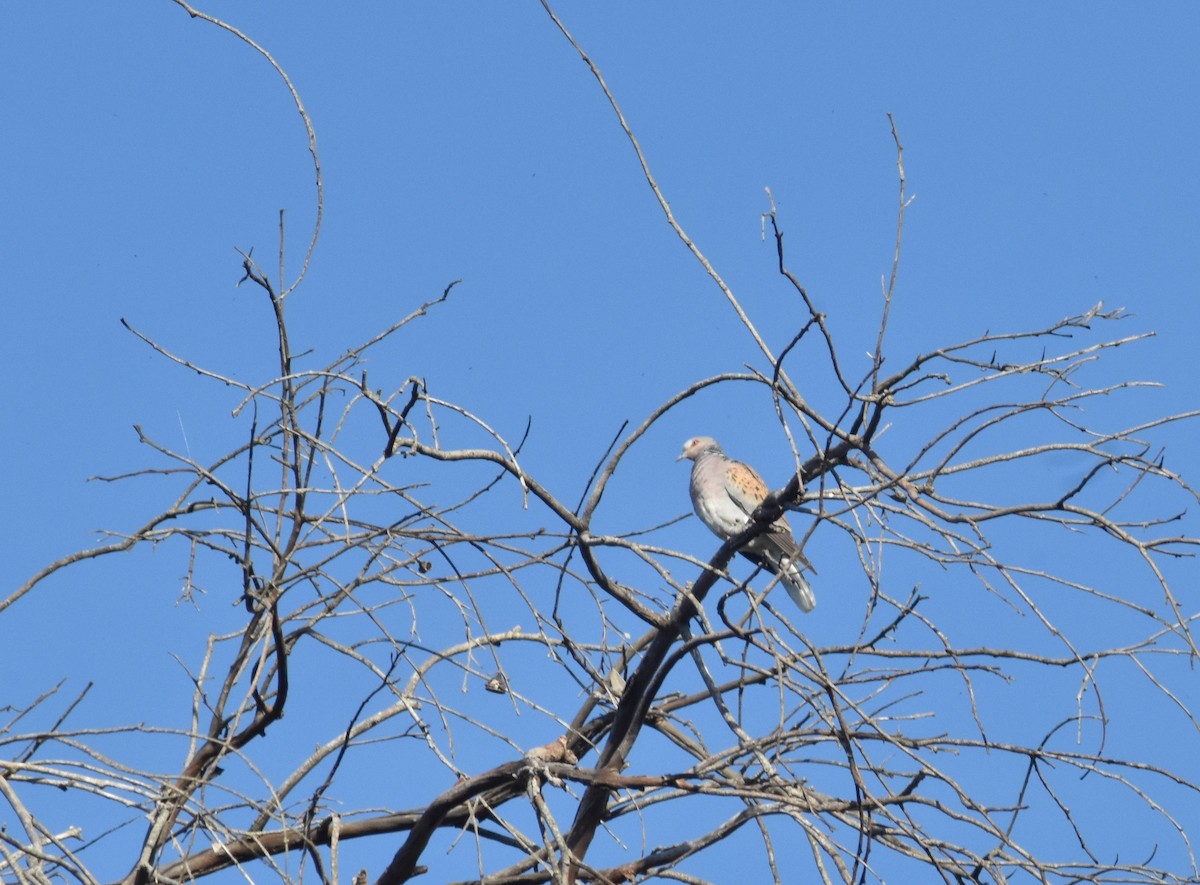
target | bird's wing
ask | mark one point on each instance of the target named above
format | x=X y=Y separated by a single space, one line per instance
x=747 y=490
x=744 y=486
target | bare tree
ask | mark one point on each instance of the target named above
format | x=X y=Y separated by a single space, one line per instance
x=680 y=720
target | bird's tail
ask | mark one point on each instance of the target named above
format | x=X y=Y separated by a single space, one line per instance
x=796 y=586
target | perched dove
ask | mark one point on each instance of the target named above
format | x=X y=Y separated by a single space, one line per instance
x=725 y=493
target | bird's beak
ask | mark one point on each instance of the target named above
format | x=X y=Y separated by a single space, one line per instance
x=681 y=457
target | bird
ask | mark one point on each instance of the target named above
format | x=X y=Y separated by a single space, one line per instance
x=725 y=493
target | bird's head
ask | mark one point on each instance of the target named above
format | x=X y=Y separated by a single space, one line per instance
x=698 y=445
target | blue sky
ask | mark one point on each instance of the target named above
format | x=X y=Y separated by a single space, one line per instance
x=1050 y=148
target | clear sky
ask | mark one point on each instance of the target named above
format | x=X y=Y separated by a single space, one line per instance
x=1051 y=149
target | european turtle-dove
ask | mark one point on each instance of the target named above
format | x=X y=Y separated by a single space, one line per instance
x=724 y=494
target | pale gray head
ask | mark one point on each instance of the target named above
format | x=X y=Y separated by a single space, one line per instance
x=697 y=446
